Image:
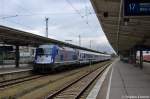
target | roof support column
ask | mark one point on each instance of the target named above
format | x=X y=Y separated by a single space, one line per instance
x=131 y=56
x=134 y=56
x=141 y=59
x=17 y=55
x=118 y=27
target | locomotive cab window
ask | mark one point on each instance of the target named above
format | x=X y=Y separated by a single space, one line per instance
x=39 y=51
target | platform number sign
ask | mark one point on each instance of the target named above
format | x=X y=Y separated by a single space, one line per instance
x=136 y=7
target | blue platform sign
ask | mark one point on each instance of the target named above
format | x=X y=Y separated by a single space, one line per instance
x=136 y=7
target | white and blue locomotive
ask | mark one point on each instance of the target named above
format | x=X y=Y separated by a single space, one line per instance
x=51 y=57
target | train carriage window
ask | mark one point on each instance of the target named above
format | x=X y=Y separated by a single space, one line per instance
x=61 y=57
x=74 y=57
x=88 y=56
x=84 y=56
x=80 y=55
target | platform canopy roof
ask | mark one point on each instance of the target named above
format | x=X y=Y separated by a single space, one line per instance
x=17 y=37
x=122 y=32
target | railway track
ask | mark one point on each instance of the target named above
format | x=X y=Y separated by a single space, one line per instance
x=7 y=83
x=28 y=88
x=77 y=87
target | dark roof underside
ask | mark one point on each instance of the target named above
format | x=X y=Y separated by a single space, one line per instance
x=17 y=37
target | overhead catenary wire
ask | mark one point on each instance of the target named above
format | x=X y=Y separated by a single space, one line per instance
x=43 y=14
x=20 y=6
x=5 y=17
x=87 y=13
x=18 y=23
x=29 y=13
x=34 y=14
x=77 y=11
x=87 y=10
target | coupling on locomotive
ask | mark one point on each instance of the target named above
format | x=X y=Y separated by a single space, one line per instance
x=50 y=57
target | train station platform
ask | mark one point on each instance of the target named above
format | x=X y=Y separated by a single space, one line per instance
x=10 y=72
x=4 y=69
x=128 y=81
x=125 y=81
x=13 y=66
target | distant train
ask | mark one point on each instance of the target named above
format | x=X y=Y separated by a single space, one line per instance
x=146 y=58
x=52 y=57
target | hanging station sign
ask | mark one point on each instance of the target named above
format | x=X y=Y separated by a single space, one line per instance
x=136 y=7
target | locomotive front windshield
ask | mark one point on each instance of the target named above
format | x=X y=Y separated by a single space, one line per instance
x=45 y=51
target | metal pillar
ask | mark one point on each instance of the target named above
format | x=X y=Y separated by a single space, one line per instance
x=134 y=56
x=141 y=59
x=46 y=19
x=17 y=54
x=79 y=40
x=131 y=56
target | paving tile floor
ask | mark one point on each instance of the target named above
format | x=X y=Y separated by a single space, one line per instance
x=129 y=82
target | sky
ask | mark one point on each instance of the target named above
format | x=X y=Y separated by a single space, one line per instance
x=67 y=20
